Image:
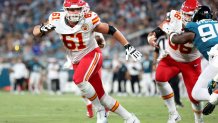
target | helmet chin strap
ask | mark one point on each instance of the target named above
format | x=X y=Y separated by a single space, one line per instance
x=184 y=19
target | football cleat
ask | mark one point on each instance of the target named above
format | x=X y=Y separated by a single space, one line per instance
x=200 y=120
x=102 y=116
x=90 y=113
x=107 y=111
x=174 y=117
x=132 y=119
x=208 y=109
x=213 y=101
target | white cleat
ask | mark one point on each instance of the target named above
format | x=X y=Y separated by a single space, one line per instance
x=174 y=117
x=199 y=120
x=132 y=119
x=102 y=116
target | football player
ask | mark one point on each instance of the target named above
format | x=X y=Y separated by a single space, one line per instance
x=68 y=65
x=203 y=32
x=179 y=58
x=76 y=27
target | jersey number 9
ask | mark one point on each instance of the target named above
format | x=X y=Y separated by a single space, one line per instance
x=208 y=31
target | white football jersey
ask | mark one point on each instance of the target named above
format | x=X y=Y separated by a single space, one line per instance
x=78 y=40
x=179 y=52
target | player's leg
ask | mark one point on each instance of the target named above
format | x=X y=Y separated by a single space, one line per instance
x=117 y=108
x=174 y=82
x=167 y=69
x=109 y=102
x=212 y=68
x=31 y=82
x=88 y=103
x=197 y=110
x=190 y=72
x=89 y=65
x=212 y=89
x=36 y=84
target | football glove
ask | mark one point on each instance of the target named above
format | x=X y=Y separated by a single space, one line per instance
x=68 y=64
x=131 y=51
x=100 y=41
x=46 y=28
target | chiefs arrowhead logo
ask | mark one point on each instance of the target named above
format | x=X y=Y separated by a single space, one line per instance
x=85 y=27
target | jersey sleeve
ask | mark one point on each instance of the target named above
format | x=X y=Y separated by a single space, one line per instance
x=173 y=22
x=190 y=27
x=176 y=21
x=54 y=17
x=50 y=18
x=93 y=19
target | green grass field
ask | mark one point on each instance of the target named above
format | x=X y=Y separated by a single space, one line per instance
x=69 y=108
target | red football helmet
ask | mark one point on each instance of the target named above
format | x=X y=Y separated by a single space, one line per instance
x=187 y=9
x=75 y=4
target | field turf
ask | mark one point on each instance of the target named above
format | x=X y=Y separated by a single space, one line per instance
x=69 y=108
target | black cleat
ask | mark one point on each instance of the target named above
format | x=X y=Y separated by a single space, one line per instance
x=208 y=109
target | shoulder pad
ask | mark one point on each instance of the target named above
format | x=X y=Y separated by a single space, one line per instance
x=92 y=19
x=55 y=16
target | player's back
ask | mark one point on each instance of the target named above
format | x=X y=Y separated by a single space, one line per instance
x=206 y=34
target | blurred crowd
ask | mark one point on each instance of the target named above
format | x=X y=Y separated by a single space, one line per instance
x=18 y=17
x=119 y=76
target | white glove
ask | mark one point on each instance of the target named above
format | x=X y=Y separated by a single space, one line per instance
x=46 y=28
x=135 y=54
x=68 y=65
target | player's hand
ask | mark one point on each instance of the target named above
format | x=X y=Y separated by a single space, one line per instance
x=46 y=28
x=131 y=51
x=67 y=65
x=152 y=39
x=100 y=41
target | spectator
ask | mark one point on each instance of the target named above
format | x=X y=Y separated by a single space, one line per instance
x=35 y=76
x=19 y=76
x=135 y=69
x=53 y=83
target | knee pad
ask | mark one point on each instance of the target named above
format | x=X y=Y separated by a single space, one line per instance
x=86 y=89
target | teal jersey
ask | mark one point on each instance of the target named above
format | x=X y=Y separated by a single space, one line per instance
x=206 y=35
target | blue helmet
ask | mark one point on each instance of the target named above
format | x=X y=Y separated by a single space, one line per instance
x=203 y=12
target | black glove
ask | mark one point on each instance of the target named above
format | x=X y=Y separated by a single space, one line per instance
x=135 y=54
x=46 y=28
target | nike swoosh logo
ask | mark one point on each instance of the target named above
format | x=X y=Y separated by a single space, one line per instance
x=195 y=65
x=177 y=119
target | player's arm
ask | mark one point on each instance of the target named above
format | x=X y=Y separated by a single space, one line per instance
x=155 y=56
x=155 y=34
x=43 y=29
x=182 y=38
x=105 y=28
x=108 y=29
